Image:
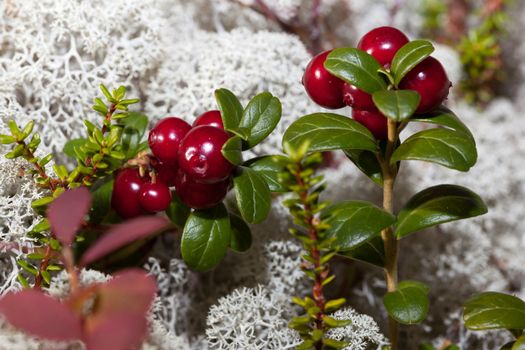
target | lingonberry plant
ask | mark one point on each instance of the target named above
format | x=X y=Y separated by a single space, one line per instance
x=406 y=85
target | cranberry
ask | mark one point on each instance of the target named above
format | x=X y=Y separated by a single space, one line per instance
x=322 y=87
x=200 y=195
x=430 y=80
x=374 y=121
x=211 y=118
x=125 y=196
x=165 y=137
x=154 y=197
x=383 y=43
x=166 y=172
x=200 y=154
x=357 y=98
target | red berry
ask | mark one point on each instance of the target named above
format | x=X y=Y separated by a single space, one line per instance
x=211 y=118
x=322 y=87
x=125 y=196
x=430 y=80
x=166 y=172
x=165 y=137
x=374 y=121
x=383 y=43
x=200 y=195
x=154 y=197
x=357 y=98
x=200 y=154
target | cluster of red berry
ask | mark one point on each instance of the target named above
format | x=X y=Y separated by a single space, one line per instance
x=428 y=78
x=187 y=157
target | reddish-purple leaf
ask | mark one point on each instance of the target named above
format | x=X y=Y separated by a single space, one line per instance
x=40 y=315
x=117 y=332
x=66 y=213
x=123 y=234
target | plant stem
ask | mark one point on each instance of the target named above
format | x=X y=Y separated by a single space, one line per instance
x=43 y=266
x=389 y=240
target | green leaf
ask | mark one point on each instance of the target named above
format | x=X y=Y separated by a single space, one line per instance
x=519 y=344
x=69 y=147
x=232 y=150
x=332 y=322
x=328 y=131
x=334 y=304
x=260 y=117
x=437 y=205
x=355 y=222
x=41 y=202
x=357 y=68
x=241 y=235
x=230 y=107
x=367 y=162
x=101 y=196
x=106 y=92
x=409 y=303
x=7 y=139
x=409 y=56
x=134 y=128
x=397 y=105
x=452 y=149
x=269 y=168
x=178 y=212
x=371 y=252
x=491 y=310
x=335 y=344
x=443 y=117
x=206 y=238
x=252 y=194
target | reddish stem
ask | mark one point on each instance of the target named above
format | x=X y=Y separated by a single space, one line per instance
x=43 y=267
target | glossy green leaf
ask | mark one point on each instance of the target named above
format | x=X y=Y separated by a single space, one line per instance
x=230 y=107
x=134 y=128
x=241 y=235
x=232 y=150
x=177 y=211
x=397 y=105
x=101 y=194
x=206 y=238
x=328 y=131
x=437 y=205
x=355 y=222
x=443 y=117
x=69 y=147
x=409 y=56
x=452 y=149
x=252 y=194
x=367 y=162
x=491 y=310
x=260 y=117
x=357 y=68
x=409 y=303
x=371 y=252
x=269 y=169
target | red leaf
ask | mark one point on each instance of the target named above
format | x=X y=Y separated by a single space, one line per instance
x=66 y=213
x=117 y=332
x=40 y=315
x=120 y=235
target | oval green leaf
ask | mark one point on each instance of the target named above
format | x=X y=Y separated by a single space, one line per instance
x=328 y=131
x=443 y=117
x=409 y=56
x=230 y=107
x=409 y=303
x=269 y=169
x=452 y=149
x=134 y=128
x=71 y=145
x=371 y=252
x=206 y=237
x=178 y=212
x=367 y=162
x=397 y=105
x=253 y=195
x=356 y=67
x=437 y=205
x=232 y=150
x=241 y=235
x=260 y=117
x=492 y=310
x=355 y=222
